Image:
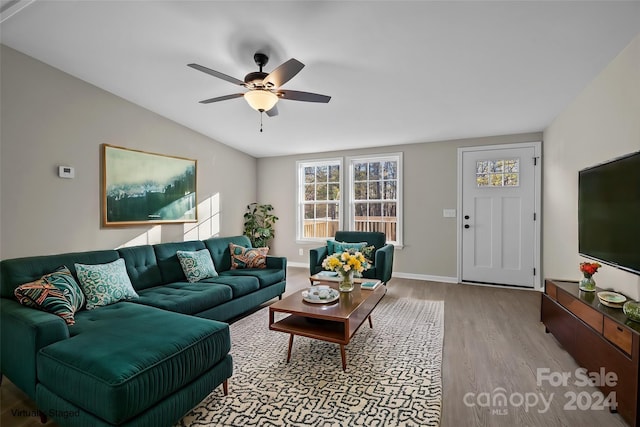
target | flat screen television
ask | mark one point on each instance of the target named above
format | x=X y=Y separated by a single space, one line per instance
x=609 y=212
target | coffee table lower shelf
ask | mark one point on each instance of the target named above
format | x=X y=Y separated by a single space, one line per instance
x=319 y=329
x=335 y=322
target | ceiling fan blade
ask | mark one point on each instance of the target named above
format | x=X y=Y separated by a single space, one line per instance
x=222 y=98
x=283 y=73
x=217 y=74
x=295 y=95
x=273 y=111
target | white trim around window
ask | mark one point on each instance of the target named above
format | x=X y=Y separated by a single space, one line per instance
x=318 y=213
x=377 y=195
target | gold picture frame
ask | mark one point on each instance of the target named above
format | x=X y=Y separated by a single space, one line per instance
x=140 y=188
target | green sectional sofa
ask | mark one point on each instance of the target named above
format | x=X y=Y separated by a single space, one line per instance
x=141 y=362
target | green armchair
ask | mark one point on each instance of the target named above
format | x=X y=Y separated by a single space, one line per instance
x=382 y=259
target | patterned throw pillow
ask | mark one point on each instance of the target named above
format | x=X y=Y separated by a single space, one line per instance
x=334 y=247
x=56 y=292
x=369 y=252
x=105 y=284
x=197 y=265
x=242 y=257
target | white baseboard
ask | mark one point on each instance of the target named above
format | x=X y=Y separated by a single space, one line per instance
x=298 y=264
x=490 y=285
x=400 y=275
x=431 y=278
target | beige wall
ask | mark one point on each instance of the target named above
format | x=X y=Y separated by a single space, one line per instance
x=602 y=123
x=430 y=185
x=50 y=118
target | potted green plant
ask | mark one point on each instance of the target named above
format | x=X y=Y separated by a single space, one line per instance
x=258 y=224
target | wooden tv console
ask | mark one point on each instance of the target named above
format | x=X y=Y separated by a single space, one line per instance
x=598 y=337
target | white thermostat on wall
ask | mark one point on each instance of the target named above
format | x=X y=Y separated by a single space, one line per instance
x=66 y=172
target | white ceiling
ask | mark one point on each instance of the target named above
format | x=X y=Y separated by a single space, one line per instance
x=398 y=71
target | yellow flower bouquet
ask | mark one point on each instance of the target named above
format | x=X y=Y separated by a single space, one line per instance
x=346 y=264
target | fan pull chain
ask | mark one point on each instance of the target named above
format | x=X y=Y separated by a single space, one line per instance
x=260 y=121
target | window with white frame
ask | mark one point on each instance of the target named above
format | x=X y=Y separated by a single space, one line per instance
x=375 y=190
x=319 y=204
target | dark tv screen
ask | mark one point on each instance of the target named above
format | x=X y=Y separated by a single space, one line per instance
x=609 y=212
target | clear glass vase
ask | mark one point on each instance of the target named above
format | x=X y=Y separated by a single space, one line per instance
x=587 y=284
x=346 y=282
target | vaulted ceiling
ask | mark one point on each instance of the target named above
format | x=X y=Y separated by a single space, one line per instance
x=398 y=71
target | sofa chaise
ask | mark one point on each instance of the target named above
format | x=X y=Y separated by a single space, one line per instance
x=137 y=362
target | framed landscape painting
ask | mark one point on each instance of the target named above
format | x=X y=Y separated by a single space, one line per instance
x=146 y=188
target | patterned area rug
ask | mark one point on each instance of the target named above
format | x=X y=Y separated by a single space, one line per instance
x=393 y=374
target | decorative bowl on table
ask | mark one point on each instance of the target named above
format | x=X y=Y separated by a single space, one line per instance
x=320 y=294
x=611 y=299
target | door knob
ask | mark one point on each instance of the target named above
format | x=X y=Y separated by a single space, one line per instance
x=466 y=226
x=466 y=217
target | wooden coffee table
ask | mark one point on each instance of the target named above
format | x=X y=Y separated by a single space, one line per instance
x=334 y=322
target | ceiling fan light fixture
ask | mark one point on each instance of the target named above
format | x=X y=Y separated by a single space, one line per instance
x=261 y=100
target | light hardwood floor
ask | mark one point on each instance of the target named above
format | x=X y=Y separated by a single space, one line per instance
x=493 y=343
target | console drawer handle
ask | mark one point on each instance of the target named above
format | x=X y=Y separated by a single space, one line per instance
x=619 y=329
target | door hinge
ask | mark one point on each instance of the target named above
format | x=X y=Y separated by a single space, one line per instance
x=535 y=161
x=534 y=271
x=535 y=216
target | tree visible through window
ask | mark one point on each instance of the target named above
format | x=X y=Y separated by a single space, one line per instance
x=376 y=195
x=498 y=173
x=373 y=202
x=319 y=201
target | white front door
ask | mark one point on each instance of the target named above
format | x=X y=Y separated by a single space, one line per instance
x=499 y=214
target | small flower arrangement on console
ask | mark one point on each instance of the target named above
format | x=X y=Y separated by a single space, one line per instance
x=588 y=269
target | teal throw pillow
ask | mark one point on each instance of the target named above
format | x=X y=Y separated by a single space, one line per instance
x=242 y=257
x=56 y=293
x=337 y=247
x=105 y=284
x=197 y=265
